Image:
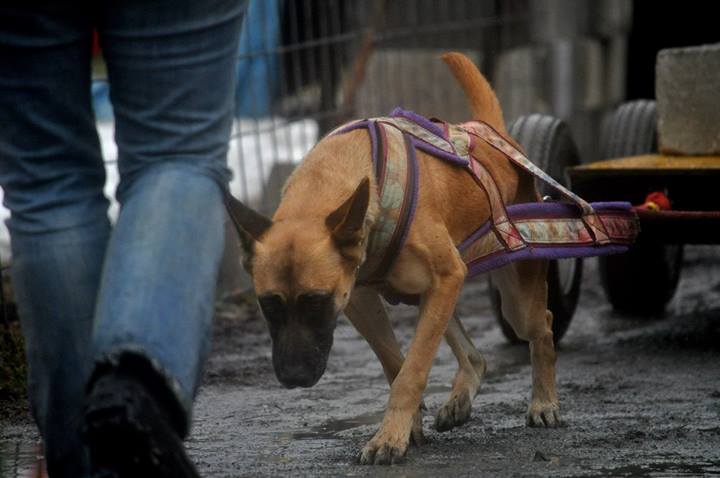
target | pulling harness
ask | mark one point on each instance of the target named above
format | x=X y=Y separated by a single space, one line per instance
x=546 y=230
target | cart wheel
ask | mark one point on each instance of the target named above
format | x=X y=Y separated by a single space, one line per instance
x=643 y=280
x=548 y=143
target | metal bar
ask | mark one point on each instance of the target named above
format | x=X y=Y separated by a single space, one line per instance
x=318 y=39
x=273 y=121
x=255 y=128
x=680 y=227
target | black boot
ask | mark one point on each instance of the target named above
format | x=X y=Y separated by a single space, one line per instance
x=130 y=434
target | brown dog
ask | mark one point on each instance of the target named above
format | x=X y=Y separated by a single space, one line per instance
x=305 y=262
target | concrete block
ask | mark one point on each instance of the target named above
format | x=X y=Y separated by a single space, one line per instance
x=687 y=87
x=609 y=18
x=417 y=80
x=554 y=20
x=576 y=77
x=615 y=69
x=520 y=81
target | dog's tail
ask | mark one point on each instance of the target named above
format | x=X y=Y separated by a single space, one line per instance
x=483 y=102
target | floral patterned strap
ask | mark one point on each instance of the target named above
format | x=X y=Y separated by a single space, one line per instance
x=397 y=189
x=488 y=134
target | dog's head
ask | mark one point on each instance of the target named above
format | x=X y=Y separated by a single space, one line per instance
x=303 y=269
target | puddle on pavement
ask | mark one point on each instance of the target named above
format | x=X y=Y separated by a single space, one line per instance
x=329 y=429
x=661 y=470
x=21 y=460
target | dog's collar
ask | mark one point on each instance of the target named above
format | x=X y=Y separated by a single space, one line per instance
x=535 y=230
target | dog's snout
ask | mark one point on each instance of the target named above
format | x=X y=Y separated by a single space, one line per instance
x=295 y=375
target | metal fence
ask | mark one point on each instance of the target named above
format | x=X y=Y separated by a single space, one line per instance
x=308 y=65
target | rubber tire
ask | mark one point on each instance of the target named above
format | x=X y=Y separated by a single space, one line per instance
x=642 y=281
x=549 y=144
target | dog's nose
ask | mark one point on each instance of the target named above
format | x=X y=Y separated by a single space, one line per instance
x=296 y=376
x=292 y=382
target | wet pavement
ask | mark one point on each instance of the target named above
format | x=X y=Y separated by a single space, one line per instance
x=638 y=397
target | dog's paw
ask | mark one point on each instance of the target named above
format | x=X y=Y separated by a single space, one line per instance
x=384 y=449
x=543 y=414
x=454 y=413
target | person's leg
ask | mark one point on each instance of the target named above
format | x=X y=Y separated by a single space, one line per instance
x=52 y=175
x=171 y=67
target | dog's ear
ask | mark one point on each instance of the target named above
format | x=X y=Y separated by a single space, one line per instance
x=346 y=222
x=249 y=224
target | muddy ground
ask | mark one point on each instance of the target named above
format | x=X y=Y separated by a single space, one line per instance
x=639 y=398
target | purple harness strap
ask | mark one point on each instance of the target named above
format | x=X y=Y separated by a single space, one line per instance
x=522 y=231
x=396 y=173
x=551 y=230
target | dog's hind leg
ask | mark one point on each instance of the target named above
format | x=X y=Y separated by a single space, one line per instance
x=368 y=315
x=468 y=378
x=523 y=293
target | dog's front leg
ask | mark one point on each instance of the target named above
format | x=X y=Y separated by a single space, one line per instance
x=369 y=317
x=390 y=443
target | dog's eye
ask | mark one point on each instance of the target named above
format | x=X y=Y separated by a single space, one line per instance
x=273 y=306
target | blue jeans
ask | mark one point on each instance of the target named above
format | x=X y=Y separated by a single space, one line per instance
x=91 y=295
